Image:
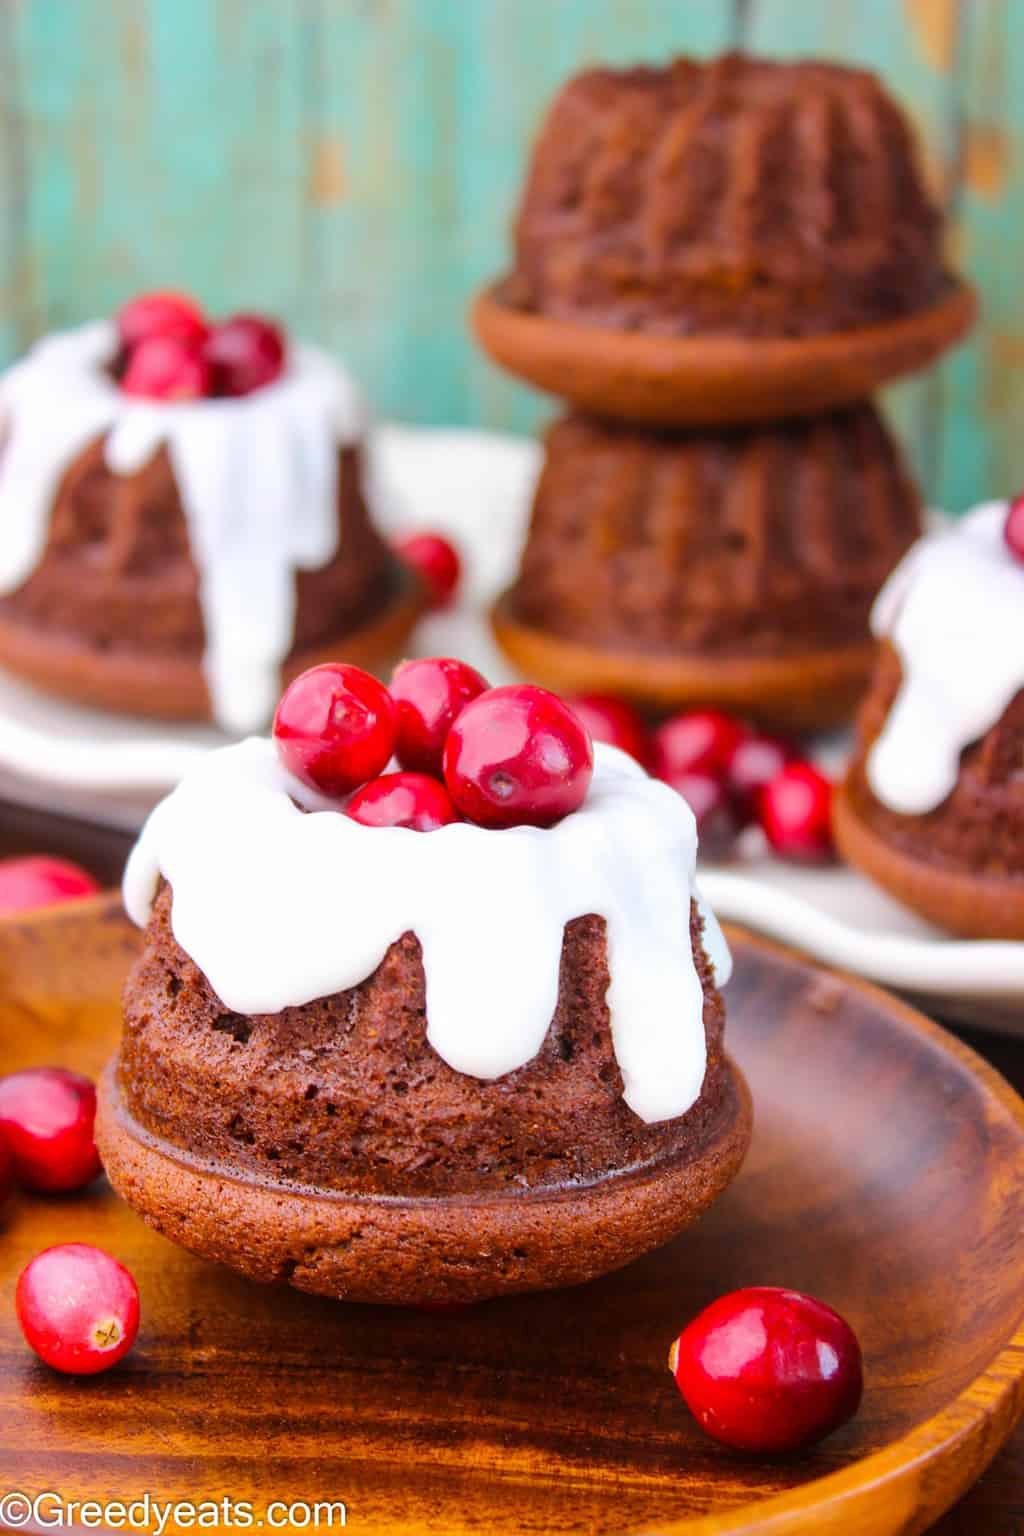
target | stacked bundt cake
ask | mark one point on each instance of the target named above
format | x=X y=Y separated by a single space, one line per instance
x=172 y=554
x=933 y=803
x=688 y=237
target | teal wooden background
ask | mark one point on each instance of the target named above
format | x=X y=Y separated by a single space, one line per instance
x=352 y=165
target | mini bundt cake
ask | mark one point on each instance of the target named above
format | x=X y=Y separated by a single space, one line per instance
x=740 y=195
x=392 y=1065
x=932 y=807
x=727 y=241
x=734 y=568
x=173 y=557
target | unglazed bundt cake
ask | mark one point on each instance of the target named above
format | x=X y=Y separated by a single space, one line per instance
x=933 y=804
x=394 y=1065
x=173 y=556
x=742 y=195
x=722 y=241
x=734 y=568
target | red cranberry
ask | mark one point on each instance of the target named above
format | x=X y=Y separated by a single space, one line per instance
x=39 y=881
x=164 y=368
x=46 y=1118
x=615 y=722
x=517 y=757
x=78 y=1308
x=429 y=695
x=756 y=760
x=335 y=728
x=435 y=560
x=795 y=813
x=1013 y=528
x=411 y=800
x=168 y=315
x=718 y=825
x=702 y=741
x=768 y=1370
x=244 y=353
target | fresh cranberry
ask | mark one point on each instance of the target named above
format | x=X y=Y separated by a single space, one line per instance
x=171 y=316
x=768 y=1370
x=46 y=1118
x=756 y=760
x=39 y=881
x=517 y=757
x=164 y=368
x=1013 y=528
x=614 y=722
x=78 y=1308
x=435 y=560
x=702 y=741
x=430 y=694
x=412 y=800
x=795 y=813
x=244 y=353
x=335 y=728
x=718 y=825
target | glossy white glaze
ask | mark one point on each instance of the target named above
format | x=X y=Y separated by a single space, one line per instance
x=954 y=612
x=257 y=478
x=277 y=907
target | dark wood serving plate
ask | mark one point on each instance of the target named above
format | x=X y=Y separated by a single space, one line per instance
x=886 y=1175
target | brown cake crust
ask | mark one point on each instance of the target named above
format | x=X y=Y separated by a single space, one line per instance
x=742 y=196
x=962 y=864
x=346 y=1093
x=111 y=614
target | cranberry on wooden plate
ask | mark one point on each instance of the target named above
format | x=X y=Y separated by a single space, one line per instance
x=795 y=814
x=615 y=722
x=36 y=880
x=700 y=741
x=518 y=756
x=768 y=1370
x=166 y=368
x=171 y=316
x=78 y=1308
x=430 y=693
x=1013 y=528
x=435 y=560
x=335 y=728
x=412 y=800
x=244 y=354
x=46 y=1119
x=755 y=761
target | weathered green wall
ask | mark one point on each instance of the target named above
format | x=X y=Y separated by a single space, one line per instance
x=351 y=164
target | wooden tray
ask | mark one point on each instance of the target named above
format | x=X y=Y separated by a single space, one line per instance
x=886 y=1175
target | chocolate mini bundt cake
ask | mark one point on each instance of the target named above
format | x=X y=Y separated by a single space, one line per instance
x=735 y=567
x=741 y=195
x=349 y=1064
x=933 y=802
x=175 y=558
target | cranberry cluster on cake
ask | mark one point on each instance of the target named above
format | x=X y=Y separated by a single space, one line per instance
x=187 y=516
x=428 y=1032
x=933 y=804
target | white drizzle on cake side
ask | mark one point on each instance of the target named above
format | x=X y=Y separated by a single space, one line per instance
x=954 y=612
x=279 y=900
x=257 y=478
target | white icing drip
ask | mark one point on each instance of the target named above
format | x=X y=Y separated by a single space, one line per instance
x=954 y=611
x=257 y=478
x=278 y=907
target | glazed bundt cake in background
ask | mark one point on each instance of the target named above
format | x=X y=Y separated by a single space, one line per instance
x=740 y=195
x=735 y=568
x=173 y=555
x=933 y=803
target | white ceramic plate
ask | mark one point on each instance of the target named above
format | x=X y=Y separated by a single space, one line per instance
x=476 y=486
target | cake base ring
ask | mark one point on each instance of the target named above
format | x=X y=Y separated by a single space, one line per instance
x=408 y=1251
x=713 y=380
x=174 y=688
x=973 y=906
x=811 y=691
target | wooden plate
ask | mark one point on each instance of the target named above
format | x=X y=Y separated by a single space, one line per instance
x=694 y=381
x=886 y=1175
